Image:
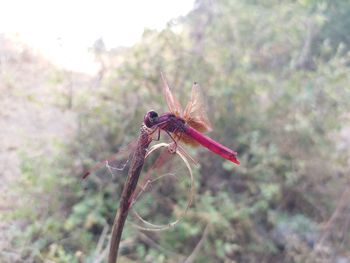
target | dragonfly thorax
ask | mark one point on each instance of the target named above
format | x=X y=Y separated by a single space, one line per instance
x=167 y=121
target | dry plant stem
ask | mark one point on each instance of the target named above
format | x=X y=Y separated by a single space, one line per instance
x=100 y=243
x=174 y=256
x=128 y=191
x=341 y=206
x=199 y=245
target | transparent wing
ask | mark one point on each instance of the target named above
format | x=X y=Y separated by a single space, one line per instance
x=119 y=162
x=115 y=164
x=195 y=112
x=173 y=104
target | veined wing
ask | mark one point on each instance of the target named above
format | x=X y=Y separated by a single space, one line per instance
x=173 y=104
x=116 y=162
x=195 y=112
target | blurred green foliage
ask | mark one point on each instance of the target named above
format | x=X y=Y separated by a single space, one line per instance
x=276 y=78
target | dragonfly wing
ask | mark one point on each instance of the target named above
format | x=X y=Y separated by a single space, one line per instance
x=173 y=104
x=195 y=112
x=115 y=163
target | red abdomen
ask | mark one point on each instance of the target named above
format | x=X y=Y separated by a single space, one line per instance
x=212 y=145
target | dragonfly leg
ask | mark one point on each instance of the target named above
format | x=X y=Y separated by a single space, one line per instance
x=158 y=129
x=162 y=126
x=172 y=148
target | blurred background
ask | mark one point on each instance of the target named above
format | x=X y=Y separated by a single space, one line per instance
x=76 y=79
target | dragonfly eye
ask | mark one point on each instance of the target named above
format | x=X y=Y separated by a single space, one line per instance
x=152 y=114
x=150 y=118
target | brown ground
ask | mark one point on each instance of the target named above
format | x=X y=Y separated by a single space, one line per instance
x=33 y=113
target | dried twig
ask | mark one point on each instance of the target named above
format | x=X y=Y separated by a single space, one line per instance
x=341 y=206
x=153 y=244
x=128 y=191
x=304 y=59
x=99 y=254
x=198 y=247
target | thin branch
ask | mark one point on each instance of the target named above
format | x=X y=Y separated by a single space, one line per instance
x=198 y=247
x=101 y=256
x=125 y=244
x=128 y=191
x=304 y=59
x=341 y=206
x=154 y=245
x=99 y=247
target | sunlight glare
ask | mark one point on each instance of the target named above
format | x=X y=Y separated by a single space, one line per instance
x=64 y=30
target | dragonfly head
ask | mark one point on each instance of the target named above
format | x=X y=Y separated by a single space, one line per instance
x=150 y=118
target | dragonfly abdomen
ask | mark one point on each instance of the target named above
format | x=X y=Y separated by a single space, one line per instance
x=212 y=145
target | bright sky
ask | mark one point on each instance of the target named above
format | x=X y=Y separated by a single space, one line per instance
x=63 y=30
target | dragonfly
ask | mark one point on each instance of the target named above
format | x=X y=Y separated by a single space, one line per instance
x=187 y=125
x=183 y=126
